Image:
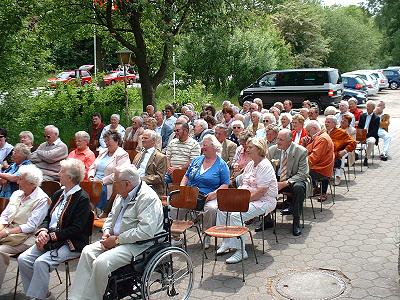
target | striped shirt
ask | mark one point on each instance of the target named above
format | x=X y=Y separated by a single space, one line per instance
x=180 y=153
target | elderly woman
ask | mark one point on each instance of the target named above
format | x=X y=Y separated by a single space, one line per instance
x=113 y=127
x=298 y=131
x=5 y=150
x=272 y=133
x=9 y=178
x=276 y=112
x=330 y=111
x=228 y=115
x=268 y=119
x=285 y=121
x=103 y=168
x=26 y=137
x=307 y=104
x=208 y=172
x=237 y=127
x=151 y=123
x=24 y=213
x=241 y=158
x=82 y=151
x=255 y=124
x=133 y=135
x=62 y=235
x=259 y=178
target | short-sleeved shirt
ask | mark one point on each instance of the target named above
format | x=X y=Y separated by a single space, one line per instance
x=180 y=153
x=211 y=179
x=11 y=187
x=262 y=175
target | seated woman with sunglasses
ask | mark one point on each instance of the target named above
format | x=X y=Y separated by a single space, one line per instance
x=62 y=235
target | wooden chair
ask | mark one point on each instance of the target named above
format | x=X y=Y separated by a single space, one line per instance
x=231 y=200
x=94 y=189
x=50 y=187
x=361 y=139
x=3 y=204
x=184 y=197
x=130 y=145
x=100 y=222
x=132 y=154
x=177 y=176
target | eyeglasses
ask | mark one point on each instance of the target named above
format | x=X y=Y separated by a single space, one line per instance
x=1 y=136
x=266 y=121
x=236 y=127
x=47 y=136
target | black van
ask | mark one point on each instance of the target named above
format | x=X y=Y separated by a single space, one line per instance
x=321 y=86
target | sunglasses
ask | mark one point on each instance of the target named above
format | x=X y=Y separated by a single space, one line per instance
x=236 y=127
x=266 y=121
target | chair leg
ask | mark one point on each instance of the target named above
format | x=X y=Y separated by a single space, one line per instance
x=276 y=236
x=345 y=178
x=312 y=206
x=302 y=215
x=67 y=279
x=58 y=275
x=184 y=240
x=262 y=232
x=254 y=248
x=332 y=194
x=242 y=250
x=202 y=242
x=215 y=249
x=202 y=261
x=321 y=193
x=16 y=284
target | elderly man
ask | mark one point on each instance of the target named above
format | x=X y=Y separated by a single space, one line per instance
x=82 y=151
x=344 y=110
x=49 y=154
x=150 y=110
x=370 y=121
x=181 y=150
x=162 y=129
x=137 y=215
x=292 y=173
x=151 y=163
x=343 y=144
x=113 y=126
x=228 y=147
x=25 y=212
x=200 y=129
x=95 y=131
x=383 y=131
x=321 y=156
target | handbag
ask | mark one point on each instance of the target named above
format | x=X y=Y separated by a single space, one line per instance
x=201 y=201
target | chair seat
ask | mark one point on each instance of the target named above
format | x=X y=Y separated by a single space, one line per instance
x=179 y=226
x=226 y=231
x=99 y=222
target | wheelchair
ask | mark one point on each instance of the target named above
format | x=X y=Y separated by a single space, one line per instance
x=160 y=272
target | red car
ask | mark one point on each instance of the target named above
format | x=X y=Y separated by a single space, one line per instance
x=117 y=76
x=82 y=74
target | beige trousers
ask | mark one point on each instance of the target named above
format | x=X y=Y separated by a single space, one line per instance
x=5 y=253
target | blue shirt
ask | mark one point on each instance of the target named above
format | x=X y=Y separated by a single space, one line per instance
x=212 y=179
x=11 y=187
x=102 y=166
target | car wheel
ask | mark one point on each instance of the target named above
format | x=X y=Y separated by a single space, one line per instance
x=394 y=85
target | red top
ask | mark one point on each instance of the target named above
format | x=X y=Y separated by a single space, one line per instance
x=303 y=134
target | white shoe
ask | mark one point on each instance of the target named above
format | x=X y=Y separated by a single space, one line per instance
x=206 y=241
x=237 y=257
x=337 y=180
x=176 y=243
x=223 y=249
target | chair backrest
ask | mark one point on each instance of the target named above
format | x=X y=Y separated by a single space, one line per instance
x=50 y=187
x=177 y=175
x=115 y=191
x=3 y=204
x=89 y=224
x=184 y=197
x=361 y=135
x=94 y=189
x=132 y=154
x=130 y=145
x=233 y=200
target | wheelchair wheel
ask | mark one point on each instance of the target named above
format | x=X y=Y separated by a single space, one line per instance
x=168 y=273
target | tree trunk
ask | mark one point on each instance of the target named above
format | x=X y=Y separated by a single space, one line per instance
x=148 y=94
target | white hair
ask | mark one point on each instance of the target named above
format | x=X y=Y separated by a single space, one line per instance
x=330 y=110
x=139 y=119
x=257 y=114
x=353 y=100
x=152 y=134
x=52 y=128
x=332 y=118
x=74 y=169
x=270 y=117
x=237 y=122
x=32 y=174
x=214 y=142
x=313 y=124
x=83 y=135
x=23 y=149
x=116 y=116
x=28 y=134
x=129 y=173
x=345 y=103
x=370 y=102
x=287 y=115
x=202 y=123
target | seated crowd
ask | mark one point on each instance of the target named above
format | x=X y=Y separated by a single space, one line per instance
x=266 y=151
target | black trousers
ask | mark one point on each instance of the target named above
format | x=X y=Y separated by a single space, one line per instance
x=298 y=189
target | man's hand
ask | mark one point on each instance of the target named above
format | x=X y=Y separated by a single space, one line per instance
x=282 y=185
x=109 y=242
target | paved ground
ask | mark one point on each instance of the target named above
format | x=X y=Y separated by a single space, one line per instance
x=358 y=236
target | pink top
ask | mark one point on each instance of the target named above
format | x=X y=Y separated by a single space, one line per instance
x=241 y=158
x=86 y=156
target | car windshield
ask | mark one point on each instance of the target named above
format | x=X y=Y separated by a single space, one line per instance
x=63 y=75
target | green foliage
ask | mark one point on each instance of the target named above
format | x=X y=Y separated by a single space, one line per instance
x=354 y=39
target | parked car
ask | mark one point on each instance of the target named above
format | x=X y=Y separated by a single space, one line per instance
x=322 y=86
x=370 y=81
x=382 y=79
x=118 y=76
x=361 y=96
x=354 y=81
x=81 y=76
x=393 y=77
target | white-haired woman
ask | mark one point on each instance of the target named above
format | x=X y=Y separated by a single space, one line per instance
x=133 y=135
x=268 y=119
x=208 y=172
x=62 y=235
x=255 y=124
x=237 y=127
x=82 y=151
x=285 y=121
x=26 y=137
x=25 y=211
x=259 y=178
x=9 y=178
x=114 y=126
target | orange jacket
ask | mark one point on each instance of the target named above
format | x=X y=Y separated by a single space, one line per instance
x=321 y=155
x=342 y=141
